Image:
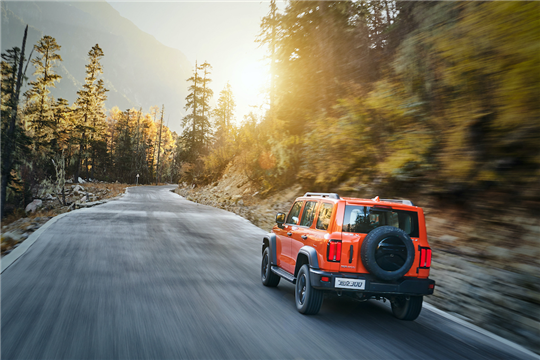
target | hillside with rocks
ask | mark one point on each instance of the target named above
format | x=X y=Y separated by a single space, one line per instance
x=486 y=253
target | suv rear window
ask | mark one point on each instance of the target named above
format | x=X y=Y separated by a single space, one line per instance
x=363 y=219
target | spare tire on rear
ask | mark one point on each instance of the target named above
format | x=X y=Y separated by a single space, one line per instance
x=387 y=253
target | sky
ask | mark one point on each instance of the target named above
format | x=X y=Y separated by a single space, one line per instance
x=221 y=33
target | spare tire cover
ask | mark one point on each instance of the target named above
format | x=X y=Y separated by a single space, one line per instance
x=387 y=253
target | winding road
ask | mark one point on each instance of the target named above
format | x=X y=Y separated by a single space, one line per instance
x=154 y=276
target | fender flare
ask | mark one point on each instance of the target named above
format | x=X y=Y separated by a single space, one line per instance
x=271 y=239
x=311 y=254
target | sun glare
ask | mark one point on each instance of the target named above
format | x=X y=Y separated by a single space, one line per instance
x=248 y=82
x=252 y=77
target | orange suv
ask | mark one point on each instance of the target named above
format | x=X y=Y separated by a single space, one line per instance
x=359 y=247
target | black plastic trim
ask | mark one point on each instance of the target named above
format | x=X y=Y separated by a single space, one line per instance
x=284 y=274
x=272 y=242
x=311 y=253
x=374 y=286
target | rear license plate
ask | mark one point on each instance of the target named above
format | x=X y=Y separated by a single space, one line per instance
x=350 y=284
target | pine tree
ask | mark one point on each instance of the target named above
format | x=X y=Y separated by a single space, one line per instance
x=224 y=115
x=40 y=106
x=196 y=125
x=123 y=154
x=91 y=114
x=207 y=93
x=189 y=122
x=269 y=35
x=13 y=139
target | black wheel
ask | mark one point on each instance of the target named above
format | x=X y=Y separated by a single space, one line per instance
x=268 y=278
x=407 y=307
x=308 y=299
x=387 y=253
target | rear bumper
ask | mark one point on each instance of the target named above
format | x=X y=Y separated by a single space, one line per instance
x=374 y=286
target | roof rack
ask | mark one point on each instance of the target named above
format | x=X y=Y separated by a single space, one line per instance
x=404 y=202
x=324 y=195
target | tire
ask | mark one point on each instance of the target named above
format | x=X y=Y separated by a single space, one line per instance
x=407 y=307
x=308 y=300
x=387 y=253
x=268 y=278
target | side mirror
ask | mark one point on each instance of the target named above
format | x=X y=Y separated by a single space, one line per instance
x=280 y=219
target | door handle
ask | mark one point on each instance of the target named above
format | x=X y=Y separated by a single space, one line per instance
x=304 y=237
x=289 y=233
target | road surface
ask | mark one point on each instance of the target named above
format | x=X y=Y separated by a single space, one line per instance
x=154 y=276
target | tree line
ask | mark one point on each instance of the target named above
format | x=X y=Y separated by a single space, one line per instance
x=411 y=94
x=435 y=95
x=47 y=140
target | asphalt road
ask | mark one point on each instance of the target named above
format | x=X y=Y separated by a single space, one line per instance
x=154 y=276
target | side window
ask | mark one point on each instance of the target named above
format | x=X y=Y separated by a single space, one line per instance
x=325 y=213
x=309 y=213
x=293 y=214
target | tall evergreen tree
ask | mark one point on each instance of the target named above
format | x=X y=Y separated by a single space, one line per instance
x=269 y=35
x=206 y=95
x=40 y=108
x=13 y=138
x=123 y=159
x=90 y=108
x=224 y=114
x=196 y=124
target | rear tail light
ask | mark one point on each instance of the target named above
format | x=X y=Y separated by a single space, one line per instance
x=425 y=258
x=325 y=278
x=334 y=250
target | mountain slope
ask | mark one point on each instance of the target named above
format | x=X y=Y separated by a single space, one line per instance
x=138 y=69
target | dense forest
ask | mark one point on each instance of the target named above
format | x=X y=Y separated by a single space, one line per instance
x=438 y=94
x=443 y=94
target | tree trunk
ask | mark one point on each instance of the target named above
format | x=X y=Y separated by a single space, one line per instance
x=93 y=162
x=77 y=167
x=9 y=148
x=86 y=164
x=159 y=145
x=154 y=153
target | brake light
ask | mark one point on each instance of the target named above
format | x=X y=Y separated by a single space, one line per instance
x=334 y=250
x=425 y=258
x=325 y=278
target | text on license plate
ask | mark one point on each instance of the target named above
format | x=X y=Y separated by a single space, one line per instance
x=350 y=284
